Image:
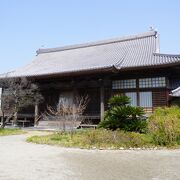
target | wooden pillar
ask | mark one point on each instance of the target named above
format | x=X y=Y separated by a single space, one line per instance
x=102 y=102
x=74 y=106
x=36 y=114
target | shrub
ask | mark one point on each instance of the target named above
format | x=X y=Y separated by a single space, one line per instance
x=119 y=100
x=118 y=138
x=164 y=126
x=123 y=116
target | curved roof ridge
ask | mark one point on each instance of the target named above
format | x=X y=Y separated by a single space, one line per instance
x=97 y=43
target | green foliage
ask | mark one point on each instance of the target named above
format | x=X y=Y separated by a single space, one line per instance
x=6 y=132
x=99 y=138
x=119 y=100
x=164 y=126
x=123 y=116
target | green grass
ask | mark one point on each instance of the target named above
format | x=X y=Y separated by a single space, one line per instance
x=6 y=132
x=163 y=130
x=99 y=138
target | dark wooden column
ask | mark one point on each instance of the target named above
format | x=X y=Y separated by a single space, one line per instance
x=102 y=102
x=138 y=91
x=74 y=105
x=36 y=114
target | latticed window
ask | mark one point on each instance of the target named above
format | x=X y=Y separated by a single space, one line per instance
x=152 y=82
x=124 y=84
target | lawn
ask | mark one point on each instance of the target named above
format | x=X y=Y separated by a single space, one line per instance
x=6 y=132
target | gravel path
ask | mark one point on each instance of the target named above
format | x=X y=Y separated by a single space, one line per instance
x=20 y=160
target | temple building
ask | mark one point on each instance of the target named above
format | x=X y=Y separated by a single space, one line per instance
x=132 y=66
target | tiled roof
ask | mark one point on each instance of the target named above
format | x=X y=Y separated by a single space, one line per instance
x=175 y=92
x=120 y=53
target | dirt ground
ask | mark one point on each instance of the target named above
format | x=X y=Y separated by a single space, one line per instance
x=20 y=160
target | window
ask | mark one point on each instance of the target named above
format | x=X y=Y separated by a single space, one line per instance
x=145 y=99
x=133 y=96
x=124 y=84
x=152 y=82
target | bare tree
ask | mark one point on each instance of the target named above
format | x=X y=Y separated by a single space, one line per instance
x=17 y=93
x=68 y=114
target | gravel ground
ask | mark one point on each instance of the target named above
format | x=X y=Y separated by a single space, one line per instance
x=20 y=160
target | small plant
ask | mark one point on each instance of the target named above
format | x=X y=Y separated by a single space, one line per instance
x=164 y=126
x=123 y=116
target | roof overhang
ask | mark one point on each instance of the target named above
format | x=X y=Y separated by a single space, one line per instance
x=175 y=92
x=150 y=66
x=108 y=69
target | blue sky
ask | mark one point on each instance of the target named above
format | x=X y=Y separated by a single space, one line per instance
x=26 y=25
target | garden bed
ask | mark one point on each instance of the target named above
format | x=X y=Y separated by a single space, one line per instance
x=99 y=139
x=122 y=128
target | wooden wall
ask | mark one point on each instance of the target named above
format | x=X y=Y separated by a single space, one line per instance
x=90 y=84
x=159 y=98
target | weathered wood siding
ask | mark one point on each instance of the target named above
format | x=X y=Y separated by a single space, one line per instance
x=159 y=98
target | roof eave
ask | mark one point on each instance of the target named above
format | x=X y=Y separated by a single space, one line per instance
x=70 y=73
x=150 y=66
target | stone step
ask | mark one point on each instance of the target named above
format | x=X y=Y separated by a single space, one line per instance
x=53 y=124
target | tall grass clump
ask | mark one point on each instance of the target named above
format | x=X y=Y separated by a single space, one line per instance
x=164 y=126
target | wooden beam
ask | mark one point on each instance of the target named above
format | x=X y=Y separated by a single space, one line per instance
x=102 y=102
